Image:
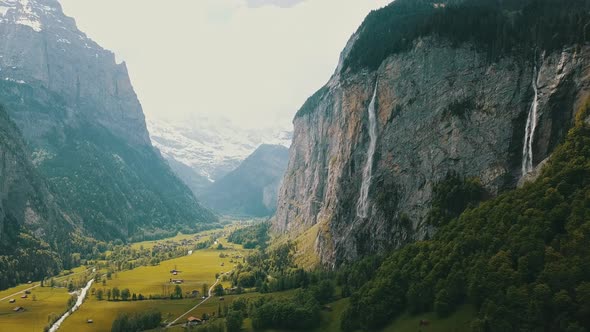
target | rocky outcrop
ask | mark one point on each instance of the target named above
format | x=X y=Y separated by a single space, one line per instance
x=441 y=108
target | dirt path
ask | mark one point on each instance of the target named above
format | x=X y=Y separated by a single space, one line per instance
x=200 y=303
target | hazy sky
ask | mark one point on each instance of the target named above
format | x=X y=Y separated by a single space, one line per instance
x=255 y=61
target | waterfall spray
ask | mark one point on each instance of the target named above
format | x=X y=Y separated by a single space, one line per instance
x=362 y=207
x=531 y=126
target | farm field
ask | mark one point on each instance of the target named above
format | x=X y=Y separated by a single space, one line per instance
x=47 y=301
x=195 y=270
x=41 y=303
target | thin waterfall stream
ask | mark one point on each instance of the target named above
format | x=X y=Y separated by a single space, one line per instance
x=362 y=209
x=531 y=126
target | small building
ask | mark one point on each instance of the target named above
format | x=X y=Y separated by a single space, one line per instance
x=11 y=301
x=194 y=321
x=18 y=309
x=221 y=299
x=177 y=281
x=89 y=321
x=24 y=296
x=27 y=292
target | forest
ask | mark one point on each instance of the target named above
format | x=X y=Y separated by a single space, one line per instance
x=520 y=27
x=522 y=259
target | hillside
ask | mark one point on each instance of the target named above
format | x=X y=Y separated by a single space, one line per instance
x=251 y=189
x=522 y=259
x=31 y=222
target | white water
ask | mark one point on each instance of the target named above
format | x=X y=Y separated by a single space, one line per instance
x=79 y=302
x=362 y=207
x=531 y=126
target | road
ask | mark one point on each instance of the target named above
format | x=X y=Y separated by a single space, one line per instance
x=200 y=303
x=39 y=284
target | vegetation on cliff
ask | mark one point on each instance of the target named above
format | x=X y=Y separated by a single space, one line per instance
x=523 y=258
x=497 y=27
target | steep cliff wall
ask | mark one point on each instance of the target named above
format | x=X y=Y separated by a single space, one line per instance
x=440 y=108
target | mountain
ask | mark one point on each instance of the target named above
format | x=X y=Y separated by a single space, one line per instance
x=252 y=188
x=212 y=146
x=85 y=128
x=31 y=221
x=421 y=94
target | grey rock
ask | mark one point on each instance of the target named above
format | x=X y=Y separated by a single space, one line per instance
x=440 y=109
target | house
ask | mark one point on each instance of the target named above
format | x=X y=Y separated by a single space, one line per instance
x=11 y=301
x=18 y=309
x=89 y=321
x=177 y=281
x=27 y=292
x=24 y=296
x=194 y=321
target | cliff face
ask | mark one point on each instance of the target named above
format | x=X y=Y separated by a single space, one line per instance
x=440 y=108
x=85 y=127
x=40 y=45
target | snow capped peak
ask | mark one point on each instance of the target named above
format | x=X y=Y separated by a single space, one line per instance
x=28 y=12
x=212 y=146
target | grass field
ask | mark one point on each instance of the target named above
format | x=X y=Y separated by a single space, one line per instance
x=35 y=317
x=196 y=269
x=458 y=322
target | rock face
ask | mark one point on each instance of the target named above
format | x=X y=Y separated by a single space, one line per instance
x=251 y=189
x=440 y=108
x=41 y=46
x=85 y=127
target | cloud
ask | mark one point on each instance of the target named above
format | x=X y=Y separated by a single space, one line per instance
x=278 y=3
x=222 y=57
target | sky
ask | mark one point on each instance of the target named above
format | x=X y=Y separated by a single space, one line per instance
x=253 y=61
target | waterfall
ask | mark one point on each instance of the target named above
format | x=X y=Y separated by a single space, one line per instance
x=531 y=126
x=363 y=203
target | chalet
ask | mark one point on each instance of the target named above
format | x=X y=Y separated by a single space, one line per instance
x=18 y=309
x=194 y=321
x=11 y=301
